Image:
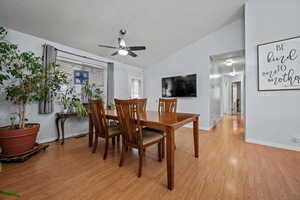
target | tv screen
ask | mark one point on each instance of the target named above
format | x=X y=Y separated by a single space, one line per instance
x=180 y=86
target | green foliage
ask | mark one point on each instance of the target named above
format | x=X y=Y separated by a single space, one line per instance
x=66 y=98
x=79 y=108
x=6 y=192
x=24 y=78
x=111 y=107
x=9 y=193
x=72 y=103
x=91 y=92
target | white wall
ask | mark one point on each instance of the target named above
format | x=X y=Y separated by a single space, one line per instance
x=194 y=59
x=215 y=100
x=123 y=73
x=72 y=126
x=272 y=118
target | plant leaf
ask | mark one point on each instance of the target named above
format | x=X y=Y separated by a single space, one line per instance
x=9 y=193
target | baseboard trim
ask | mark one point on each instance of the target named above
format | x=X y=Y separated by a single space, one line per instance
x=216 y=121
x=273 y=144
x=200 y=128
x=206 y=128
x=52 y=139
x=46 y=140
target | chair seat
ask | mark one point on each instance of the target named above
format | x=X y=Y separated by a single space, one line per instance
x=156 y=131
x=113 y=131
x=151 y=135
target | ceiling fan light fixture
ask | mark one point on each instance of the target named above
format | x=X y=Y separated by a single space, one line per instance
x=122 y=43
x=123 y=52
x=228 y=62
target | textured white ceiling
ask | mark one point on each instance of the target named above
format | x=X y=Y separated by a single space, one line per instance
x=164 y=26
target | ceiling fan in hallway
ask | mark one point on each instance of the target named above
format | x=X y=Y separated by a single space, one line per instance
x=124 y=50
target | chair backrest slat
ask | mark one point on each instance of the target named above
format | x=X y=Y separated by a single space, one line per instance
x=167 y=105
x=98 y=117
x=142 y=104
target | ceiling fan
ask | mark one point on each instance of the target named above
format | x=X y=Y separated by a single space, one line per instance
x=124 y=50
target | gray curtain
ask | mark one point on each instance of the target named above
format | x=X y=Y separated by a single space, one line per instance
x=49 y=57
x=110 y=84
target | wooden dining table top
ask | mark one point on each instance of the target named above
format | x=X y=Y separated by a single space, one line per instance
x=160 y=118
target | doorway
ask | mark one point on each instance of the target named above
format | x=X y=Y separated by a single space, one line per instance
x=227 y=88
x=136 y=87
x=236 y=98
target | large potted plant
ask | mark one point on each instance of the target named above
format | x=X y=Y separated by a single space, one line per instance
x=24 y=80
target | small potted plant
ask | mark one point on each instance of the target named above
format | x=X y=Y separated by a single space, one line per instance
x=72 y=104
x=23 y=78
x=90 y=91
x=66 y=100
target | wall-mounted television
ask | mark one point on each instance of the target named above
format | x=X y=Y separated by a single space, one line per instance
x=180 y=86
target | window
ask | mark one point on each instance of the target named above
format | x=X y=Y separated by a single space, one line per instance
x=136 y=88
x=78 y=74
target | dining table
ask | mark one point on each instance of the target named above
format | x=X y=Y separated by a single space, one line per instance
x=167 y=122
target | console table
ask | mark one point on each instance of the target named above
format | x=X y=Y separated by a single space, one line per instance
x=60 y=124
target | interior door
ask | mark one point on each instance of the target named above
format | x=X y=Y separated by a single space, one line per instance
x=236 y=98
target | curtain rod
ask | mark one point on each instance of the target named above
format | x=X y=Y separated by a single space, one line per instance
x=63 y=58
x=74 y=54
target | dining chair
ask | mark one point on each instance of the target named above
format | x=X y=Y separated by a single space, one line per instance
x=102 y=129
x=142 y=103
x=167 y=105
x=133 y=134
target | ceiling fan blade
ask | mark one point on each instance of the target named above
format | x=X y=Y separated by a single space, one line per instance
x=137 y=48
x=115 y=53
x=132 y=54
x=106 y=46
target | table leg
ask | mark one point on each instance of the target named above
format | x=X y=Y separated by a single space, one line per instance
x=62 y=124
x=91 y=132
x=170 y=157
x=196 y=136
x=57 y=128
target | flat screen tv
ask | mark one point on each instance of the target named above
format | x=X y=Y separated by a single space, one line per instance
x=180 y=86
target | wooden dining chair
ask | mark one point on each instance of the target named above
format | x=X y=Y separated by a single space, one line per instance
x=102 y=129
x=167 y=105
x=133 y=134
x=142 y=103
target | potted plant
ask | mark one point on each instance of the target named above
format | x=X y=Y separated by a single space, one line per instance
x=71 y=103
x=23 y=78
x=90 y=91
x=66 y=100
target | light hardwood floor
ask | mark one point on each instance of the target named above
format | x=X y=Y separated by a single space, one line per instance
x=227 y=168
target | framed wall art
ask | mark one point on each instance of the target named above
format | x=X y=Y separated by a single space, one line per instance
x=279 y=65
x=81 y=77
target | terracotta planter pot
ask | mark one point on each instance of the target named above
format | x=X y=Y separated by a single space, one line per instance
x=18 y=141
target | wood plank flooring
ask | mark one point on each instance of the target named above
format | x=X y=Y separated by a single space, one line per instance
x=227 y=168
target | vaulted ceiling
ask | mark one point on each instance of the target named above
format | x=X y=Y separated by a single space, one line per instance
x=163 y=26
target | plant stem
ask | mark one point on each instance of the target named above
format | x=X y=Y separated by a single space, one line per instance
x=22 y=110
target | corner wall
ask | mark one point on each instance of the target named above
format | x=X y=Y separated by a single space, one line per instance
x=192 y=59
x=272 y=118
